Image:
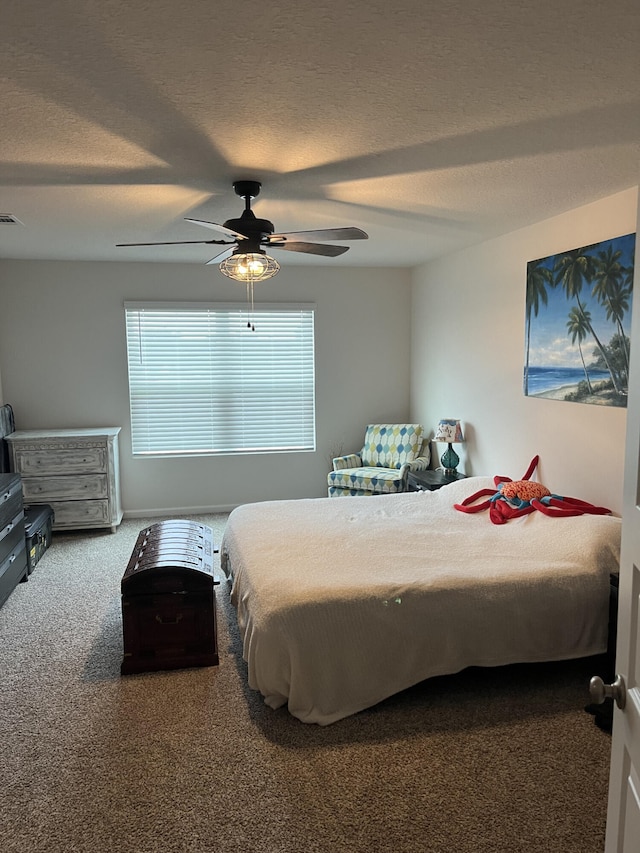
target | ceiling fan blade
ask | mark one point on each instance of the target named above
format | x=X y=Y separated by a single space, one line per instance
x=324 y=234
x=176 y=243
x=228 y=231
x=221 y=257
x=310 y=248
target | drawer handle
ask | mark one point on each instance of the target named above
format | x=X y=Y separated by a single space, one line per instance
x=9 y=527
x=168 y=621
x=6 y=496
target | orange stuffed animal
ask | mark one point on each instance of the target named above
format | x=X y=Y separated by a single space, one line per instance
x=515 y=498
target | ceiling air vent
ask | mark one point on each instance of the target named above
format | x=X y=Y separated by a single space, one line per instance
x=9 y=219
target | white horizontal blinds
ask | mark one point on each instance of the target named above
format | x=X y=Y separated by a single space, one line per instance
x=200 y=381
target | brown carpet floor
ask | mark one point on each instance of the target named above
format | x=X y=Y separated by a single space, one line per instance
x=191 y=760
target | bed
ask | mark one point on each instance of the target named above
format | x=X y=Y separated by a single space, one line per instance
x=342 y=603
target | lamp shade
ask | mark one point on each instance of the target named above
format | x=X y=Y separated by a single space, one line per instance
x=449 y=430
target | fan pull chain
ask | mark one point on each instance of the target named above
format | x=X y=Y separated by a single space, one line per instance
x=250 y=324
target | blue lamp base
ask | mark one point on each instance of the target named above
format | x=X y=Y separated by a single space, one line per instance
x=450 y=460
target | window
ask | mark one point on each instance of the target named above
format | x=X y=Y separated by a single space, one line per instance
x=201 y=382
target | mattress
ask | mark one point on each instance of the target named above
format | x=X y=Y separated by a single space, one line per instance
x=344 y=602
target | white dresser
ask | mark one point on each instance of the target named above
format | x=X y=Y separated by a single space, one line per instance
x=76 y=471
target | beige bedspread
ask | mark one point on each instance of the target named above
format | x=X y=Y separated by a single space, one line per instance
x=342 y=602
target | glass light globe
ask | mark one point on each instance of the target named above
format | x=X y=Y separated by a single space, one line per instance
x=250 y=267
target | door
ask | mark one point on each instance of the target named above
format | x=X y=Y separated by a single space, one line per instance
x=623 y=816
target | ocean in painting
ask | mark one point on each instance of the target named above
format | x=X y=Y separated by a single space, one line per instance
x=543 y=379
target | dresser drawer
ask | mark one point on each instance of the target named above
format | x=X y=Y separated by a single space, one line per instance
x=12 y=534
x=77 y=514
x=12 y=568
x=67 y=460
x=10 y=499
x=81 y=487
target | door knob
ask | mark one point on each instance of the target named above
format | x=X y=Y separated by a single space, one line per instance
x=600 y=691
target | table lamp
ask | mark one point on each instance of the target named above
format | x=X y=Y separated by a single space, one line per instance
x=449 y=430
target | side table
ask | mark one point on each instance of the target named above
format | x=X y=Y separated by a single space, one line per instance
x=429 y=480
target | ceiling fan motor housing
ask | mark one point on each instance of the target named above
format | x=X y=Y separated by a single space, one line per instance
x=254 y=229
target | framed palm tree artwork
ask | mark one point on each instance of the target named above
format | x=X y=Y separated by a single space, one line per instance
x=577 y=325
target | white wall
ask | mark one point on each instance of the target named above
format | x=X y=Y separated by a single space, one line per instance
x=63 y=361
x=63 y=357
x=468 y=320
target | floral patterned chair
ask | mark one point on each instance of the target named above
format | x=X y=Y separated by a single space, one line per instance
x=390 y=451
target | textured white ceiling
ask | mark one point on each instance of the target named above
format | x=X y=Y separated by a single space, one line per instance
x=432 y=126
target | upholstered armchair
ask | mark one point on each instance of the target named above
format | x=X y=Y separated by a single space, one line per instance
x=389 y=452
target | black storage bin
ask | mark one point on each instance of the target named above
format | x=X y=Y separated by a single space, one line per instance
x=38 y=524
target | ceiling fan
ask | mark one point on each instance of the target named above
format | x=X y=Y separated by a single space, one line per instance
x=249 y=237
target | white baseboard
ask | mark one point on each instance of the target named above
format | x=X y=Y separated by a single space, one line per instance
x=176 y=511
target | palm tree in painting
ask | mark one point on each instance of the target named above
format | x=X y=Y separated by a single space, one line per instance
x=627 y=283
x=578 y=326
x=539 y=277
x=617 y=306
x=611 y=292
x=572 y=270
x=627 y=272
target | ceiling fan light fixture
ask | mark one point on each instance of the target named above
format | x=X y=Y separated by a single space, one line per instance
x=250 y=266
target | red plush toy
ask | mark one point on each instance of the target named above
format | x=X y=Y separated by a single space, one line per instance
x=514 y=498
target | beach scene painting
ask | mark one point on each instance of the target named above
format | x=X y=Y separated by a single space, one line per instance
x=577 y=326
